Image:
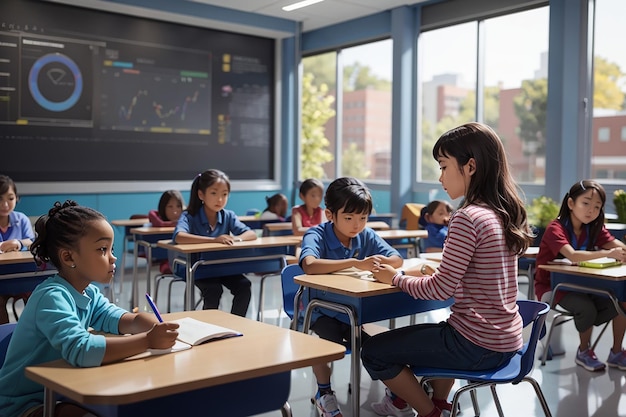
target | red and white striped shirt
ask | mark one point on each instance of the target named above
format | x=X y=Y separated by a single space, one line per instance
x=480 y=272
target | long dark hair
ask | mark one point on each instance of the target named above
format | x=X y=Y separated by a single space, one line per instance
x=202 y=182
x=61 y=228
x=165 y=199
x=350 y=194
x=492 y=184
x=576 y=191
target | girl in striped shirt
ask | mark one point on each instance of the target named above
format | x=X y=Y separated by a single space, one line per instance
x=479 y=269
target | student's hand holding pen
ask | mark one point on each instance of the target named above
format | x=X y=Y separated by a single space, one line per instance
x=162 y=335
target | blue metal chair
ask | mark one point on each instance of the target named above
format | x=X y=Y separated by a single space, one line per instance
x=515 y=371
x=6 y=331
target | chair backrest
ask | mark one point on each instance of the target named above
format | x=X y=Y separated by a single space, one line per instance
x=411 y=213
x=533 y=313
x=6 y=331
x=289 y=286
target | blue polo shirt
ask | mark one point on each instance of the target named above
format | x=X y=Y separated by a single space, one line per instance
x=198 y=224
x=437 y=234
x=321 y=242
x=19 y=228
x=54 y=325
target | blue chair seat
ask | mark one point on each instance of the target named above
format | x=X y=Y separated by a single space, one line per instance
x=514 y=371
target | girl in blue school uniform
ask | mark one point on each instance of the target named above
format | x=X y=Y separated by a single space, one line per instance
x=16 y=233
x=55 y=323
x=206 y=220
x=342 y=242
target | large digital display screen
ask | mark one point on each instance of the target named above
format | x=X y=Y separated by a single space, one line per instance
x=87 y=95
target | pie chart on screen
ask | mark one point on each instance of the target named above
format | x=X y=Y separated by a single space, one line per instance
x=55 y=82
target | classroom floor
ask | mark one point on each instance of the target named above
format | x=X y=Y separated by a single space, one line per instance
x=570 y=390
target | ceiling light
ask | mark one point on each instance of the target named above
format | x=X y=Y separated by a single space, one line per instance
x=300 y=5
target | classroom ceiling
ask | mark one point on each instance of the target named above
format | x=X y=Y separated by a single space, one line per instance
x=325 y=13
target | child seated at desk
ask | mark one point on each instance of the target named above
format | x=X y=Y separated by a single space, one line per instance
x=169 y=210
x=310 y=213
x=207 y=220
x=434 y=219
x=343 y=242
x=276 y=208
x=16 y=234
x=78 y=241
x=579 y=234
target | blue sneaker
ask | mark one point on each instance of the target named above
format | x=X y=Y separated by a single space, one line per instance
x=588 y=360
x=327 y=405
x=617 y=360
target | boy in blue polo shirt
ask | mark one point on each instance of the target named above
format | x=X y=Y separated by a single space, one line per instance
x=342 y=242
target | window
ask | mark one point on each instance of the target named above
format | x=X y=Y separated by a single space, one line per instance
x=364 y=142
x=319 y=85
x=604 y=134
x=609 y=81
x=447 y=86
x=514 y=96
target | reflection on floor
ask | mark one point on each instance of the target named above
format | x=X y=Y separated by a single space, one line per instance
x=570 y=390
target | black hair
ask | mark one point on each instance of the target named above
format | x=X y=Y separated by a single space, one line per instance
x=492 y=184
x=273 y=200
x=202 y=182
x=430 y=209
x=165 y=199
x=6 y=183
x=349 y=194
x=61 y=228
x=309 y=184
x=576 y=191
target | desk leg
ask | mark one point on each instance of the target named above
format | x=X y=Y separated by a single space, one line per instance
x=189 y=290
x=355 y=372
x=48 y=402
x=134 y=299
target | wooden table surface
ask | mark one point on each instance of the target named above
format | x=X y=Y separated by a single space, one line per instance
x=262 y=350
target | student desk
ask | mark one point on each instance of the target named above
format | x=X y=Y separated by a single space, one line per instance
x=258 y=255
x=237 y=376
x=253 y=222
x=383 y=217
x=284 y=228
x=127 y=224
x=363 y=301
x=617 y=229
x=147 y=237
x=403 y=239
x=610 y=282
x=19 y=272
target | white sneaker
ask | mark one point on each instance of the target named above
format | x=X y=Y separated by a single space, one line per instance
x=327 y=405
x=385 y=407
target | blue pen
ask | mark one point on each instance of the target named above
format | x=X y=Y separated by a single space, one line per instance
x=154 y=308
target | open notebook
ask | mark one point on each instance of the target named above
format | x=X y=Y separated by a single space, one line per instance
x=192 y=332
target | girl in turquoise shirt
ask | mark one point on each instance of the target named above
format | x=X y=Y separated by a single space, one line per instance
x=78 y=241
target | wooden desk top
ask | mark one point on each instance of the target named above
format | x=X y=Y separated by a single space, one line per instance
x=345 y=284
x=16 y=257
x=262 y=350
x=130 y=222
x=377 y=225
x=150 y=230
x=617 y=273
x=261 y=242
x=402 y=234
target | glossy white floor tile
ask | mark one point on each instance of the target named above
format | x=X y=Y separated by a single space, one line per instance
x=570 y=390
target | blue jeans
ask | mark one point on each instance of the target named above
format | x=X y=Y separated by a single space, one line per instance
x=433 y=345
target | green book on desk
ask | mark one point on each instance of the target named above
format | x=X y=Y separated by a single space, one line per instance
x=603 y=262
